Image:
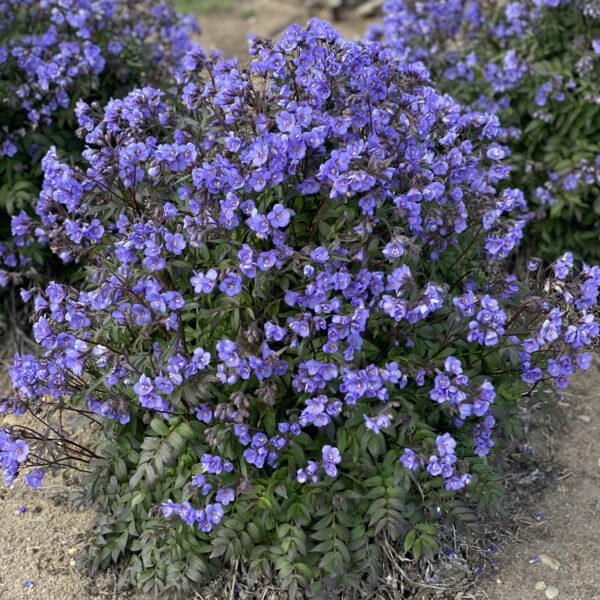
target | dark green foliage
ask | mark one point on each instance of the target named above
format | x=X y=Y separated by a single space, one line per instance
x=326 y=536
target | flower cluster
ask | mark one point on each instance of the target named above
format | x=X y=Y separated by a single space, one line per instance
x=54 y=49
x=14 y=453
x=52 y=54
x=536 y=64
x=300 y=263
x=331 y=457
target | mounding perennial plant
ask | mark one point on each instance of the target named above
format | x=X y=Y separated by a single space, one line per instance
x=536 y=64
x=295 y=341
x=52 y=54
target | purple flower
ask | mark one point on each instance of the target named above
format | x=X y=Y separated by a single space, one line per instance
x=204 y=284
x=18 y=451
x=378 y=423
x=410 y=460
x=279 y=216
x=225 y=496
x=258 y=223
x=563 y=265
x=214 y=513
x=212 y=463
x=175 y=243
x=204 y=413
x=231 y=285
x=445 y=444
x=331 y=455
x=320 y=255
x=34 y=479
x=95 y=230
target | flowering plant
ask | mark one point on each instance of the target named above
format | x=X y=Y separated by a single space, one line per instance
x=295 y=332
x=536 y=64
x=53 y=53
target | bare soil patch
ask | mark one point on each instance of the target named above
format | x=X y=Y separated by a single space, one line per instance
x=228 y=28
x=555 y=545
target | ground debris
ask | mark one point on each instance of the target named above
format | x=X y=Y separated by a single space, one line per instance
x=550 y=561
x=551 y=592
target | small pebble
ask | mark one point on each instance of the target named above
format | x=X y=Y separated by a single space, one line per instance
x=585 y=418
x=540 y=585
x=551 y=592
x=550 y=561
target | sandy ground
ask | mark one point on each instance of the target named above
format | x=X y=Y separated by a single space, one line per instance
x=555 y=551
x=39 y=545
x=554 y=547
x=228 y=29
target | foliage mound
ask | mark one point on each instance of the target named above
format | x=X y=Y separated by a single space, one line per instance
x=536 y=64
x=296 y=340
